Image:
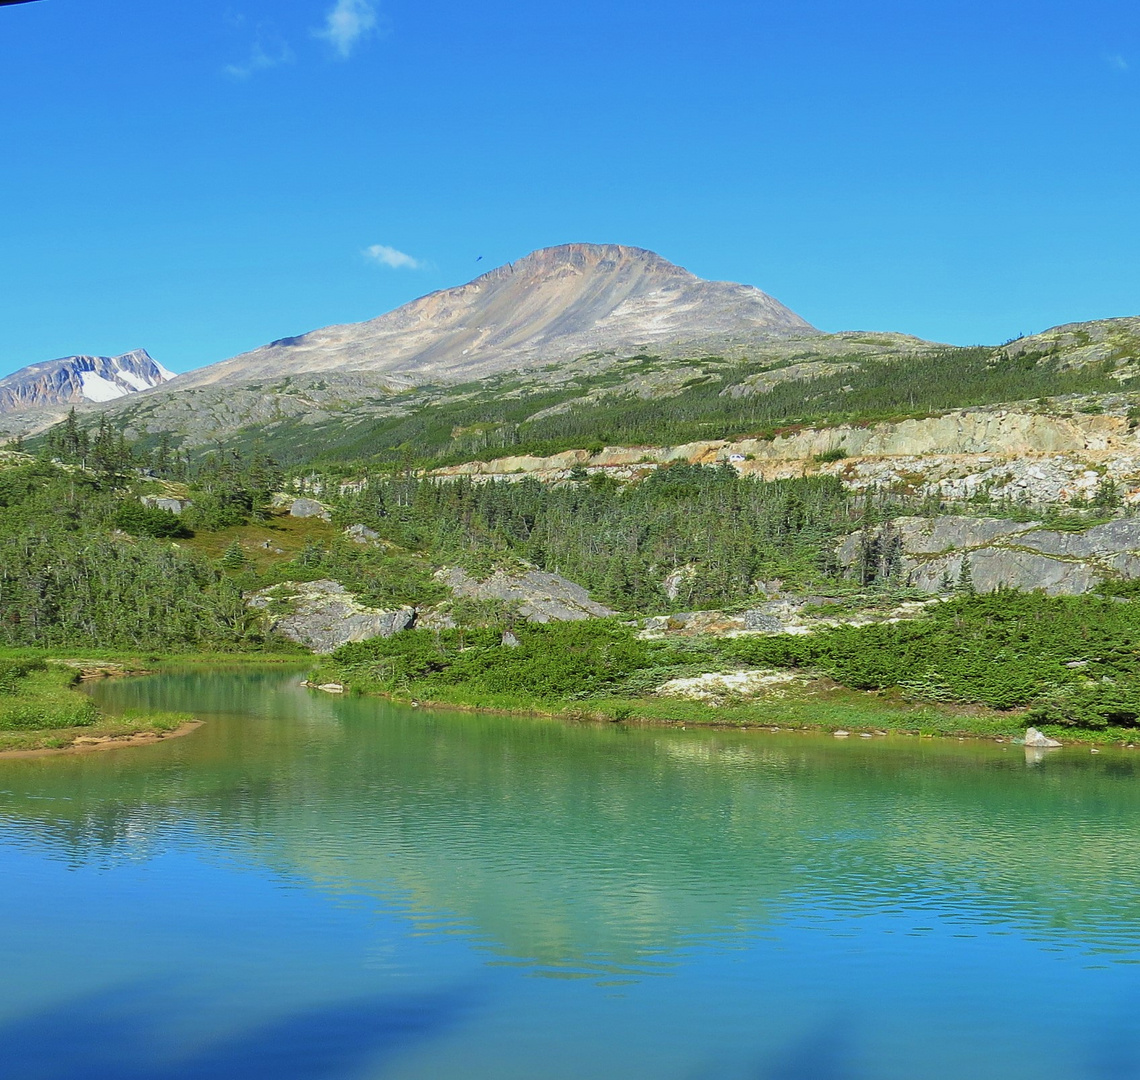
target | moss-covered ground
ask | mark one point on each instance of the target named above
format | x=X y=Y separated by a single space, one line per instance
x=275 y=539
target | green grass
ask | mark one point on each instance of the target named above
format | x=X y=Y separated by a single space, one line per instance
x=40 y=709
x=816 y=707
x=286 y=536
x=37 y=697
x=142 y=662
x=104 y=728
x=977 y=665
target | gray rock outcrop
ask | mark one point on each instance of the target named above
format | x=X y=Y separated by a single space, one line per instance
x=936 y=554
x=539 y=596
x=762 y=621
x=307 y=508
x=323 y=615
x=158 y=502
x=1108 y=539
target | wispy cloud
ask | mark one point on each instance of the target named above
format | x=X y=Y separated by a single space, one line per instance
x=389 y=256
x=261 y=57
x=1115 y=60
x=348 y=23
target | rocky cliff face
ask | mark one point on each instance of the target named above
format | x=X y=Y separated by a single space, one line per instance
x=555 y=304
x=323 y=615
x=1005 y=453
x=78 y=379
x=540 y=597
x=938 y=554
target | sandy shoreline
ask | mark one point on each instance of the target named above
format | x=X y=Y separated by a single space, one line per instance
x=89 y=745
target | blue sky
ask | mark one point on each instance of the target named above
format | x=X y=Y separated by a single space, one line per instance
x=198 y=178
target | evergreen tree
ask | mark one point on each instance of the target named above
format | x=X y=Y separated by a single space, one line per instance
x=234 y=557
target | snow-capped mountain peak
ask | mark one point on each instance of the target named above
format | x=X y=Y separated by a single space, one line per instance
x=76 y=379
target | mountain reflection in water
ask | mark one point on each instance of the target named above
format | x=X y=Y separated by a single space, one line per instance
x=608 y=856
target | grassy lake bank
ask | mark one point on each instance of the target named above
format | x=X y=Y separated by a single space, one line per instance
x=43 y=710
x=985 y=666
x=819 y=707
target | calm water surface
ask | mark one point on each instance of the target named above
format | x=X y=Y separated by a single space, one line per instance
x=311 y=887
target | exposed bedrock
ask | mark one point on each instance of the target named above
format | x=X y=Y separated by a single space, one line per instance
x=940 y=553
x=539 y=596
x=1000 y=452
x=323 y=615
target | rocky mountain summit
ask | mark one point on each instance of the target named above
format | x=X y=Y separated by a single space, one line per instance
x=74 y=380
x=579 y=308
x=555 y=304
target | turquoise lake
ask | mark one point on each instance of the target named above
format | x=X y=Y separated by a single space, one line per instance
x=319 y=887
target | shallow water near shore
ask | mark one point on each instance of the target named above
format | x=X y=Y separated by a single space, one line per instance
x=320 y=887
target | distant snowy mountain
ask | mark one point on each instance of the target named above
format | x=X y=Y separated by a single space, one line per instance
x=76 y=379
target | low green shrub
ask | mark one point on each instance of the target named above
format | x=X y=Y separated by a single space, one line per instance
x=139 y=520
x=13 y=672
x=552 y=661
x=836 y=453
x=36 y=697
x=1073 y=660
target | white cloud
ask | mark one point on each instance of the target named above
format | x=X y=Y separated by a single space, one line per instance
x=1117 y=61
x=347 y=23
x=389 y=256
x=263 y=55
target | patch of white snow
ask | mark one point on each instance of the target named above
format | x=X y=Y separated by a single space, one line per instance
x=96 y=388
x=139 y=382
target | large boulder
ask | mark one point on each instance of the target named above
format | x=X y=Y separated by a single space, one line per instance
x=362 y=534
x=1111 y=538
x=992 y=568
x=935 y=536
x=323 y=615
x=539 y=596
x=307 y=508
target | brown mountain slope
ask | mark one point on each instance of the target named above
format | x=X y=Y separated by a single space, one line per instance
x=553 y=305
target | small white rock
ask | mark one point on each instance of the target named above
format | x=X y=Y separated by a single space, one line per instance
x=1033 y=737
